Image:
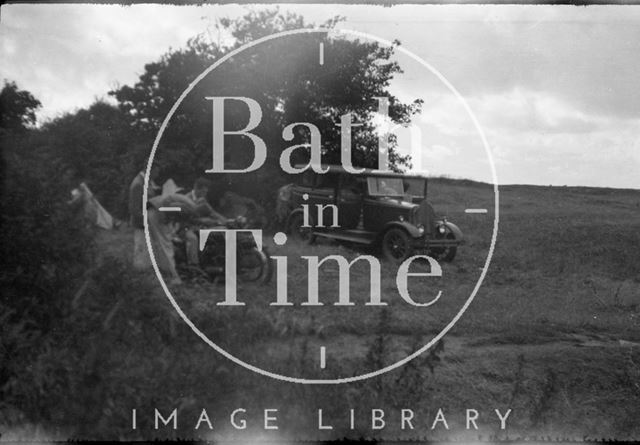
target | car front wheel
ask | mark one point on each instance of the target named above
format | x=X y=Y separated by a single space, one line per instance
x=397 y=245
x=446 y=254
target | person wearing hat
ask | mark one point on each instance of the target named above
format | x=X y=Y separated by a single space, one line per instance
x=141 y=259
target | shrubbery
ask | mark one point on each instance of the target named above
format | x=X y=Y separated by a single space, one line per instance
x=45 y=251
x=82 y=338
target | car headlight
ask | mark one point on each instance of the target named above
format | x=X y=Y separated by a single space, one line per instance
x=413 y=216
x=401 y=218
x=442 y=229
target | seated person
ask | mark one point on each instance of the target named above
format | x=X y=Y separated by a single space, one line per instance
x=387 y=189
x=205 y=214
x=235 y=206
x=408 y=197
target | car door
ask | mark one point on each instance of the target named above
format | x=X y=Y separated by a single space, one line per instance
x=350 y=200
x=321 y=192
x=304 y=187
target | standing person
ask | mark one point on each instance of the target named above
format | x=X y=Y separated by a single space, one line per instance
x=136 y=195
x=161 y=231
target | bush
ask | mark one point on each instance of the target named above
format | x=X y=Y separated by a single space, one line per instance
x=45 y=250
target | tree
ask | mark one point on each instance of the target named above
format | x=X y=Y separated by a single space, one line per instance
x=283 y=75
x=43 y=244
x=95 y=145
x=17 y=108
x=45 y=250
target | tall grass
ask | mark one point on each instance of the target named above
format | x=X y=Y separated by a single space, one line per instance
x=557 y=272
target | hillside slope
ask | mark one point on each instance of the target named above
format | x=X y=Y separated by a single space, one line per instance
x=553 y=334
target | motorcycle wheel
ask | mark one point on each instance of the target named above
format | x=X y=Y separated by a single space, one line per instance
x=254 y=266
x=193 y=274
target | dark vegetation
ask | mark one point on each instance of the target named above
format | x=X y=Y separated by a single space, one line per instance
x=54 y=337
x=84 y=339
x=284 y=77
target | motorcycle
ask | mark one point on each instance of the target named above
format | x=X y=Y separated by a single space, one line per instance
x=253 y=264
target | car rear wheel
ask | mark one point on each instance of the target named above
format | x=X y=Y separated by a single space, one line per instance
x=397 y=245
x=298 y=231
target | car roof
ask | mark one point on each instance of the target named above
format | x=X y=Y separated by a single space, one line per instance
x=367 y=172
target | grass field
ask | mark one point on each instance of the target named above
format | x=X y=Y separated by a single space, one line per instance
x=553 y=333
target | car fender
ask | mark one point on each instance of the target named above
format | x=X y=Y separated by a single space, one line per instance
x=407 y=226
x=291 y=215
x=294 y=213
x=453 y=228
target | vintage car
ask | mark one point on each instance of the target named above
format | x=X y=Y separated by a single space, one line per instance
x=384 y=209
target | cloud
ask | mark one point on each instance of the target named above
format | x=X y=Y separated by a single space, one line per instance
x=556 y=89
x=68 y=55
x=534 y=137
x=533 y=111
x=586 y=57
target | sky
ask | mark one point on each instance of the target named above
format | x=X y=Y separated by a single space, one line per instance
x=555 y=89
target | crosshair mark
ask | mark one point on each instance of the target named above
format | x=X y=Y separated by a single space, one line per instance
x=323 y=358
x=475 y=210
x=170 y=209
x=321 y=53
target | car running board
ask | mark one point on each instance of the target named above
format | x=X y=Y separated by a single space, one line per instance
x=354 y=236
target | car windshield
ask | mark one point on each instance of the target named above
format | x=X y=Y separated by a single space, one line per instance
x=385 y=186
x=414 y=187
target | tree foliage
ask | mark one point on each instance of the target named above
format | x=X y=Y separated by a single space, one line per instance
x=95 y=145
x=54 y=346
x=17 y=108
x=45 y=248
x=284 y=76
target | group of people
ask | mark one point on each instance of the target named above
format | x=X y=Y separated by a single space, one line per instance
x=193 y=207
